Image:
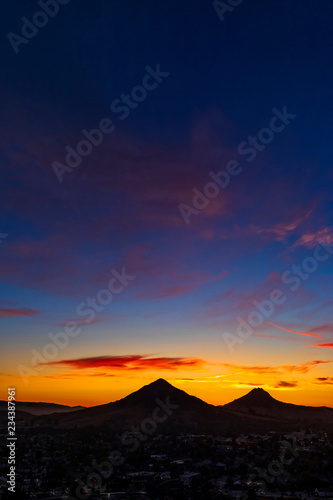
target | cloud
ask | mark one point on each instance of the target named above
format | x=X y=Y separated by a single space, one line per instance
x=163 y=275
x=253 y=369
x=220 y=276
x=329 y=344
x=292 y=331
x=221 y=309
x=280 y=232
x=324 y=380
x=196 y=380
x=11 y=313
x=282 y=383
x=248 y=384
x=131 y=362
x=78 y=374
x=80 y=322
x=311 y=240
x=258 y=370
x=9 y=375
x=326 y=328
x=304 y=367
x=212 y=379
x=169 y=292
x=277 y=337
x=194 y=280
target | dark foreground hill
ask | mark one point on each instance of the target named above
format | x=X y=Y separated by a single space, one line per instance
x=40 y=408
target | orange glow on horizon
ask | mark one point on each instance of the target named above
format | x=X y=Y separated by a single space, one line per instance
x=76 y=388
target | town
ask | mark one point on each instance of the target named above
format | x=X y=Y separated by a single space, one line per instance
x=75 y=464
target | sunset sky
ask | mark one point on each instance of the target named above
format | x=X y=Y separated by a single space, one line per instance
x=191 y=280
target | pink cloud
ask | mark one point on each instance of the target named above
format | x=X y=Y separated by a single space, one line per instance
x=11 y=313
x=311 y=240
x=281 y=231
x=329 y=345
x=292 y=331
x=220 y=276
x=327 y=328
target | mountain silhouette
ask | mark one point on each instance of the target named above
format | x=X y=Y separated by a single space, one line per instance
x=257 y=411
x=257 y=398
x=40 y=408
x=260 y=402
x=191 y=412
x=161 y=389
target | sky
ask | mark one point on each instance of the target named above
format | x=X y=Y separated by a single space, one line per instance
x=166 y=199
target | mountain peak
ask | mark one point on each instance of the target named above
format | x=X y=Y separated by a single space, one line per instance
x=259 y=390
x=257 y=397
x=161 y=382
x=162 y=390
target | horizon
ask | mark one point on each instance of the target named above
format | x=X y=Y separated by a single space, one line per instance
x=164 y=380
x=167 y=201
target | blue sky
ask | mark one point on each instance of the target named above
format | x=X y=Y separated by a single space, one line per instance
x=120 y=207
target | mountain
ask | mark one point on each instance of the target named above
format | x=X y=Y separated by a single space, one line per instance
x=261 y=403
x=256 y=401
x=191 y=412
x=161 y=389
x=176 y=411
x=40 y=408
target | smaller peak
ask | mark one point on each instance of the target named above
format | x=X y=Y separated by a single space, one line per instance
x=256 y=397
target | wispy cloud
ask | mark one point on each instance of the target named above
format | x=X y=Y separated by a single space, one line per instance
x=326 y=328
x=131 y=362
x=324 y=380
x=253 y=369
x=329 y=344
x=7 y=375
x=286 y=385
x=277 y=337
x=11 y=312
x=311 y=240
x=80 y=322
x=280 y=232
x=247 y=384
x=304 y=367
x=293 y=331
x=77 y=374
x=259 y=370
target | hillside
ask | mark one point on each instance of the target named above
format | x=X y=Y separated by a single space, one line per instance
x=259 y=402
x=40 y=408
